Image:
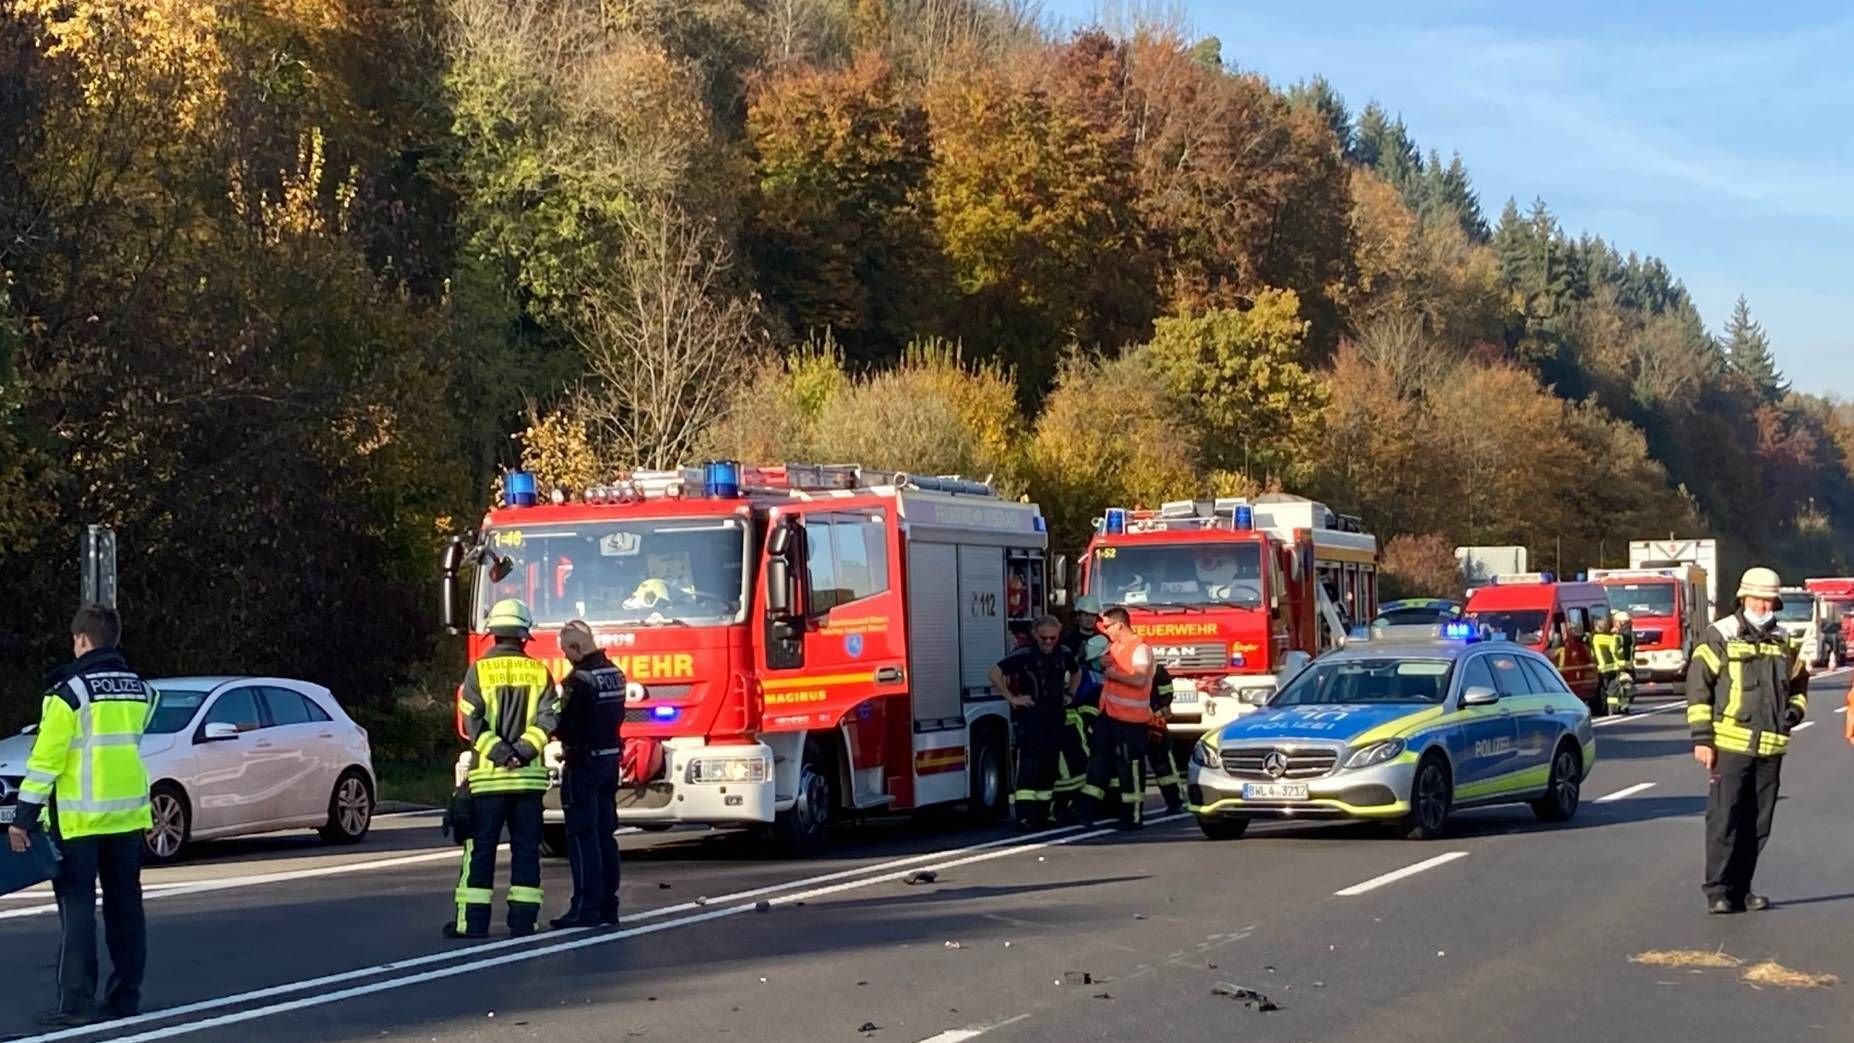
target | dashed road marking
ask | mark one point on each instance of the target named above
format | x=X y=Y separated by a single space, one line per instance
x=1603 y=722
x=1800 y=727
x=1400 y=874
x=1626 y=791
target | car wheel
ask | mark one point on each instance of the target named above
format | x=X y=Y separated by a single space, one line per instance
x=989 y=799
x=350 y=809
x=1431 y=796
x=1220 y=827
x=168 y=838
x=800 y=831
x=1563 y=790
x=554 y=840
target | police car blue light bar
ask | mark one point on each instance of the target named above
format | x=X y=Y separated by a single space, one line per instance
x=1460 y=631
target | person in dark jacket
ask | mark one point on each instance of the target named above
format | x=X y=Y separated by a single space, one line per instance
x=591 y=714
x=1747 y=689
x=1037 y=680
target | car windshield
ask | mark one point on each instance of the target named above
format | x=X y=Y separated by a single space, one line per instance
x=1642 y=599
x=1415 y=615
x=1356 y=681
x=173 y=709
x=1178 y=574
x=1796 y=609
x=635 y=573
x=1524 y=627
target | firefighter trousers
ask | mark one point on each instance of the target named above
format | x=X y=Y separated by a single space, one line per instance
x=1162 y=761
x=1072 y=759
x=1618 y=690
x=1739 y=808
x=1039 y=761
x=521 y=814
x=1118 y=757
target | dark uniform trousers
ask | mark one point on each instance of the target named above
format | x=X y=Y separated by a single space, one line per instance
x=1078 y=727
x=1739 y=808
x=117 y=859
x=1162 y=762
x=1039 y=762
x=1117 y=762
x=520 y=812
x=589 y=794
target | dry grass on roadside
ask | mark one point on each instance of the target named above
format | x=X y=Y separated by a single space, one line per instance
x=1692 y=958
x=1776 y=975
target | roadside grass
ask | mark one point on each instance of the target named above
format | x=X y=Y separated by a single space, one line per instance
x=423 y=782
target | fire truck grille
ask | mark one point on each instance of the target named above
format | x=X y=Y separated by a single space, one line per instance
x=1190 y=657
x=1647 y=637
x=1251 y=762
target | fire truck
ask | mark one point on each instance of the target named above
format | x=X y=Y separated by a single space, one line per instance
x=1231 y=593
x=1670 y=606
x=1835 y=611
x=801 y=642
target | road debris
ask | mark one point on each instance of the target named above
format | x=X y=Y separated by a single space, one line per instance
x=1103 y=996
x=1248 y=997
x=664 y=885
x=762 y=906
x=1076 y=978
x=1139 y=916
x=701 y=899
x=1776 y=975
x=921 y=876
x=954 y=945
x=869 y=1026
x=1717 y=958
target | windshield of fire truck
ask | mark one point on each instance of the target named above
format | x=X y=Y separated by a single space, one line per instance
x=1178 y=574
x=1643 y=599
x=655 y=572
x=1797 y=608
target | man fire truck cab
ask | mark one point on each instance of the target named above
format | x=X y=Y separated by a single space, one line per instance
x=1670 y=608
x=801 y=642
x=1835 y=604
x=1230 y=594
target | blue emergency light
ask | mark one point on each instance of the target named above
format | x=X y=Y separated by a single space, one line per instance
x=663 y=714
x=1546 y=577
x=1115 y=522
x=721 y=479
x=1245 y=517
x=520 y=489
x=1459 y=631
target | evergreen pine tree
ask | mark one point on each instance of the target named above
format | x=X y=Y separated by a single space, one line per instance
x=1318 y=94
x=1747 y=353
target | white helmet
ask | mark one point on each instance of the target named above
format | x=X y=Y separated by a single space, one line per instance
x=1622 y=616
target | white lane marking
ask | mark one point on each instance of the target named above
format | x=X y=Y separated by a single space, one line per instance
x=1626 y=791
x=954 y=1036
x=1800 y=727
x=1604 y=722
x=1399 y=874
x=282 y=876
x=603 y=938
x=505 y=943
x=1841 y=709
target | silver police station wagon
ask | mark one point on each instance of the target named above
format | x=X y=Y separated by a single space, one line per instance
x=1402 y=729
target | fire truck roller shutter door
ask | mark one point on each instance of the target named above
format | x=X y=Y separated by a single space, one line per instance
x=933 y=631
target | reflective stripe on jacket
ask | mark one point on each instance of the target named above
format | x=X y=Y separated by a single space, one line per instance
x=86 y=759
x=510 y=707
x=1608 y=651
x=1122 y=701
x=1746 y=688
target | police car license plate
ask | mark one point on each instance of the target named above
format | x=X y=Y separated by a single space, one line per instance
x=1274 y=791
x=6 y=813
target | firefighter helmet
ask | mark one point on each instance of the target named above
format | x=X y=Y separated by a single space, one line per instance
x=1622 y=616
x=1088 y=604
x=649 y=594
x=1761 y=583
x=510 y=618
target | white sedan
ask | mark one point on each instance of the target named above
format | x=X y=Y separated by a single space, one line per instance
x=229 y=756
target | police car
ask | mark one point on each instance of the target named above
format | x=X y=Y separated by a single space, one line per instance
x=1401 y=729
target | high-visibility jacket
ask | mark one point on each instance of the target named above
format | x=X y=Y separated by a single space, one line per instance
x=510 y=707
x=1746 y=688
x=1122 y=701
x=1608 y=651
x=87 y=758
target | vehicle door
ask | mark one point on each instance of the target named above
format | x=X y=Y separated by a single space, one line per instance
x=1522 y=698
x=240 y=778
x=1482 y=743
x=1547 y=714
x=307 y=751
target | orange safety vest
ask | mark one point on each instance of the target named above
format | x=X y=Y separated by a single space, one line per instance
x=1125 y=702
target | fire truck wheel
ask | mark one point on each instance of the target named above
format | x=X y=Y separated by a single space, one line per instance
x=800 y=831
x=553 y=841
x=989 y=800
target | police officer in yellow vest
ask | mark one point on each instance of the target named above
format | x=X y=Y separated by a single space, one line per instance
x=510 y=707
x=1746 y=690
x=86 y=764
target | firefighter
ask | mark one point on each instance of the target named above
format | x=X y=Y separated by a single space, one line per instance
x=1126 y=707
x=1607 y=649
x=510 y=706
x=86 y=765
x=1037 y=679
x=1087 y=646
x=1746 y=690
x=1161 y=758
x=591 y=714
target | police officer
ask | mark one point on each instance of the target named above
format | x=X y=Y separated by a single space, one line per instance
x=510 y=706
x=86 y=763
x=1126 y=707
x=1037 y=679
x=1161 y=757
x=591 y=714
x=1607 y=648
x=1088 y=647
x=1746 y=689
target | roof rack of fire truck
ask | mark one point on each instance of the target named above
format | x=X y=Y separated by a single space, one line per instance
x=1225 y=512
x=726 y=479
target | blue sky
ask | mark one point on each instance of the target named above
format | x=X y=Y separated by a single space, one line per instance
x=1716 y=136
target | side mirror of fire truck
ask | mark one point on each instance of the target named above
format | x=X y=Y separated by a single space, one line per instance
x=447 y=587
x=1059 y=585
x=778 y=588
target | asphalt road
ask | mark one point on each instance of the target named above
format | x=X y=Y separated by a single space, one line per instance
x=1510 y=929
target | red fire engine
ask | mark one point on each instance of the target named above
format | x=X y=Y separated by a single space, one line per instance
x=1670 y=607
x=1230 y=592
x=1836 y=598
x=801 y=641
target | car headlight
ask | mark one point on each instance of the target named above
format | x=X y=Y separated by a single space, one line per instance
x=1376 y=753
x=1205 y=754
x=726 y=769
